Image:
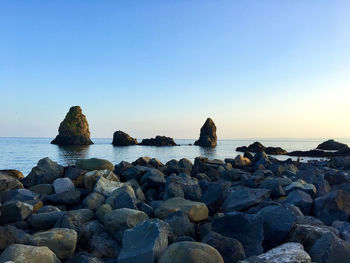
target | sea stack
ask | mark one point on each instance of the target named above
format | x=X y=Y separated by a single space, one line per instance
x=74 y=129
x=121 y=138
x=207 y=136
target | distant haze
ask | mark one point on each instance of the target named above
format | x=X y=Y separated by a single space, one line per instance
x=257 y=68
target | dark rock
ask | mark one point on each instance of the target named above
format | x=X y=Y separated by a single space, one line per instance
x=14 y=211
x=300 y=199
x=230 y=249
x=311 y=153
x=42 y=189
x=146 y=209
x=11 y=235
x=183 y=186
x=74 y=129
x=278 y=222
x=333 y=206
x=275 y=151
x=29 y=254
x=340 y=162
x=123 y=139
x=94 y=164
x=102 y=211
x=301 y=185
x=213 y=196
x=247 y=228
x=332 y=145
x=13 y=173
x=242 y=198
x=180 y=225
x=145 y=242
x=336 y=177
x=125 y=200
x=65 y=198
x=183 y=252
x=153 y=179
x=18 y=195
x=94 y=200
x=158 y=141
x=44 y=220
x=255 y=147
x=74 y=219
x=101 y=245
x=45 y=172
x=61 y=241
x=343 y=228
x=330 y=248
x=84 y=257
x=207 y=136
x=274 y=185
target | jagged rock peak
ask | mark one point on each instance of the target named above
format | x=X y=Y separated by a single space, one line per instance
x=207 y=136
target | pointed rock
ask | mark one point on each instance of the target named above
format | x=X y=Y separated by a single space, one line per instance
x=74 y=129
x=207 y=136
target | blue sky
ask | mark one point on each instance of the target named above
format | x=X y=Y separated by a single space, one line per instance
x=258 y=68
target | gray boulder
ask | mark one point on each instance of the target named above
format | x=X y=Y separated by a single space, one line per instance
x=62 y=185
x=45 y=220
x=65 y=198
x=94 y=200
x=145 y=242
x=300 y=199
x=106 y=187
x=343 y=228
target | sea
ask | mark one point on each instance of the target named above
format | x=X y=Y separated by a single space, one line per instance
x=23 y=153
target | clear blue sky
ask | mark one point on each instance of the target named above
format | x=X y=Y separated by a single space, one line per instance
x=258 y=68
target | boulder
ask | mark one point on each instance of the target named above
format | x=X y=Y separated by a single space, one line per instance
x=13 y=173
x=301 y=185
x=343 y=228
x=94 y=200
x=65 y=198
x=106 y=187
x=278 y=222
x=74 y=129
x=8 y=182
x=63 y=185
x=11 y=235
x=333 y=206
x=101 y=245
x=123 y=139
x=274 y=185
x=145 y=242
x=18 y=195
x=28 y=254
x=241 y=161
x=180 y=225
x=159 y=141
x=61 y=241
x=91 y=177
x=153 y=179
x=74 y=219
x=286 y=253
x=118 y=220
x=45 y=172
x=190 y=252
x=340 y=162
x=332 y=145
x=243 y=198
x=42 y=189
x=45 y=220
x=207 y=137
x=196 y=211
x=184 y=186
x=300 y=199
x=14 y=211
x=247 y=228
x=94 y=164
x=230 y=249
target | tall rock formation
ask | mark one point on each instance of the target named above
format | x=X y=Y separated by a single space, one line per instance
x=207 y=136
x=74 y=129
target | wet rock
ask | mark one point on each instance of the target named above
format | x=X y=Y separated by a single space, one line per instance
x=61 y=241
x=333 y=206
x=63 y=185
x=123 y=139
x=94 y=200
x=207 y=136
x=230 y=249
x=94 y=164
x=190 y=252
x=106 y=187
x=28 y=254
x=278 y=222
x=332 y=145
x=118 y=220
x=286 y=253
x=300 y=199
x=145 y=242
x=158 y=141
x=14 y=211
x=243 y=198
x=330 y=248
x=247 y=228
x=74 y=129
x=8 y=182
x=45 y=172
x=196 y=211
x=45 y=220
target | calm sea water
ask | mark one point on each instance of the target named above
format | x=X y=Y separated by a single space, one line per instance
x=24 y=153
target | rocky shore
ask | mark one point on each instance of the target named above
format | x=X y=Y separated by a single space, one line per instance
x=248 y=209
